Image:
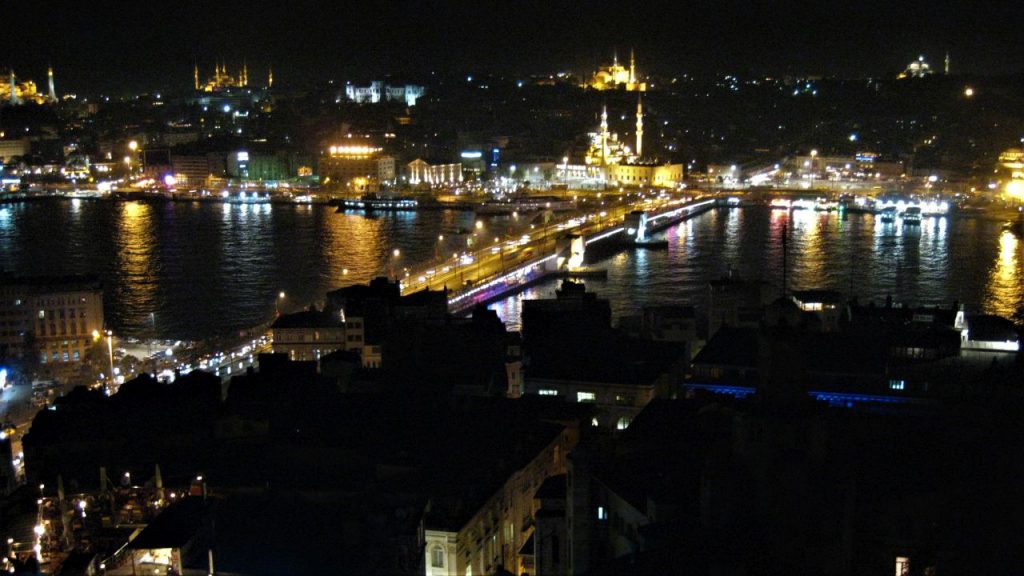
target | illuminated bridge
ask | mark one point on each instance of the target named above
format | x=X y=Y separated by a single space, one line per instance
x=560 y=254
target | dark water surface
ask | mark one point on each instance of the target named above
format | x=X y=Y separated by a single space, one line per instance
x=191 y=270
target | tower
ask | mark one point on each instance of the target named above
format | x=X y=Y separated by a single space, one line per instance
x=195 y=75
x=632 y=68
x=270 y=77
x=14 y=89
x=639 y=126
x=49 y=78
x=946 y=69
x=604 y=134
x=245 y=74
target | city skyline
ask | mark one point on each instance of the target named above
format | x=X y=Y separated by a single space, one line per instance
x=141 y=47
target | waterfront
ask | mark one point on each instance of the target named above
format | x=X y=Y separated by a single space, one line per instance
x=192 y=270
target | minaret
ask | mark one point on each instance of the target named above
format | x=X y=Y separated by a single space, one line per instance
x=632 y=68
x=270 y=77
x=615 y=57
x=49 y=78
x=245 y=73
x=604 y=135
x=195 y=75
x=14 y=88
x=639 y=126
x=947 y=63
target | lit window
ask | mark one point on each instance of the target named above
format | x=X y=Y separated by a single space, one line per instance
x=42 y=314
x=897 y=384
x=437 y=557
x=593 y=422
x=547 y=392
x=586 y=397
x=902 y=566
x=623 y=423
x=602 y=514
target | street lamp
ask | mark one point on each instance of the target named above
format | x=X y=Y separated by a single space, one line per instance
x=110 y=354
x=394 y=256
x=277 y=303
x=814 y=154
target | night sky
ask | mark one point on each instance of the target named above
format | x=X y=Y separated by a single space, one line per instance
x=153 y=44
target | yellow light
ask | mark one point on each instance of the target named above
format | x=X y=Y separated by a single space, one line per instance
x=1015 y=189
x=133 y=145
x=968 y=91
x=355 y=151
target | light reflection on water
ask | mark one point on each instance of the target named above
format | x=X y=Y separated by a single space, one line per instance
x=205 y=268
x=939 y=262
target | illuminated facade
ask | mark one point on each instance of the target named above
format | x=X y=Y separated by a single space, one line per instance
x=54 y=318
x=617 y=77
x=495 y=535
x=422 y=172
x=916 y=69
x=221 y=80
x=14 y=92
x=356 y=167
x=377 y=91
x=617 y=164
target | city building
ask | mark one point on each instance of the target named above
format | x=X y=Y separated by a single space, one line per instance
x=613 y=162
x=14 y=148
x=918 y=69
x=420 y=171
x=25 y=92
x=571 y=352
x=485 y=537
x=310 y=334
x=617 y=77
x=379 y=91
x=253 y=166
x=56 y=319
x=221 y=80
x=356 y=167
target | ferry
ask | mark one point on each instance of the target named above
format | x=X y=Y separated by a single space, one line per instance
x=373 y=202
x=888 y=215
x=912 y=215
x=526 y=204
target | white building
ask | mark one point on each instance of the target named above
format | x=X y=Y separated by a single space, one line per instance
x=378 y=91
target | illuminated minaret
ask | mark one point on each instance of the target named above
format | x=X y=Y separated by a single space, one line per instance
x=245 y=73
x=947 y=64
x=195 y=75
x=49 y=78
x=14 y=88
x=270 y=77
x=639 y=126
x=632 y=68
x=604 y=134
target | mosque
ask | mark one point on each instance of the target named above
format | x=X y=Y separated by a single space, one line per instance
x=25 y=92
x=221 y=80
x=617 y=77
x=611 y=161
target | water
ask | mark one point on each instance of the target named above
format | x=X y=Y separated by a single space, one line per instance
x=192 y=270
x=942 y=261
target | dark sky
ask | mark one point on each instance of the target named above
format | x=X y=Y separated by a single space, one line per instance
x=152 y=44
